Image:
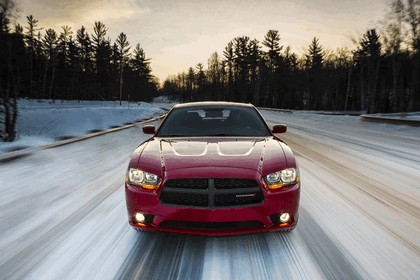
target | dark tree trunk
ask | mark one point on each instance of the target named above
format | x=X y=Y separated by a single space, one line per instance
x=414 y=98
x=348 y=88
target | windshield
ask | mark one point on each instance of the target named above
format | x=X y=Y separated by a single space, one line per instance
x=213 y=121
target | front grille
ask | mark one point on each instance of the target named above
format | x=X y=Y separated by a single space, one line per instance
x=211 y=193
x=232 y=199
x=194 y=183
x=192 y=199
x=212 y=225
x=232 y=183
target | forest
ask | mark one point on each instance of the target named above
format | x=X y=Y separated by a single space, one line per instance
x=40 y=63
x=381 y=74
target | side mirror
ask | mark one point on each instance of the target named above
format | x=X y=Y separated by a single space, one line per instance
x=279 y=128
x=149 y=129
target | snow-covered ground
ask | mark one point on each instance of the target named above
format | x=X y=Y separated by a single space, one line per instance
x=41 y=121
x=63 y=216
x=401 y=116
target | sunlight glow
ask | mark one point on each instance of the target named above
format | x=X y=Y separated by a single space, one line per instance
x=177 y=35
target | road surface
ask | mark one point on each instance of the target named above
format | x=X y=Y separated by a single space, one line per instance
x=63 y=216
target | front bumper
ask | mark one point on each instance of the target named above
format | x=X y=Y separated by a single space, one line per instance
x=213 y=221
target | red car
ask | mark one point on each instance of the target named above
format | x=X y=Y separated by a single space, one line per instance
x=213 y=168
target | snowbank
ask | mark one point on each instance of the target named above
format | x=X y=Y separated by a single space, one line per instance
x=41 y=121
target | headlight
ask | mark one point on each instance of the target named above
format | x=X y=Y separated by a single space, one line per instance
x=282 y=178
x=146 y=180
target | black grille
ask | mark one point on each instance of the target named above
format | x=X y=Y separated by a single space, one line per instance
x=193 y=199
x=211 y=193
x=232 y=183
x=212 y=226
x=231 y=199
x=187 y=183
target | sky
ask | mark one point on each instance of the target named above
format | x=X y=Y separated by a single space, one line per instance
x=178 y=34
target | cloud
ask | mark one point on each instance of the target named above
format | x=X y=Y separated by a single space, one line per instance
x=75 y=13
x=179 y=34
x=108 y=11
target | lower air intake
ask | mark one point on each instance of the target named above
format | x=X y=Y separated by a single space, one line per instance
x=212 y=226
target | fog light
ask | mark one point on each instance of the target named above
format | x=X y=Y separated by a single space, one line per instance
x=284 y=218
x=139 y=217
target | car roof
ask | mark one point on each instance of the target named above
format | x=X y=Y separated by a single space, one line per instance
x=213 y=103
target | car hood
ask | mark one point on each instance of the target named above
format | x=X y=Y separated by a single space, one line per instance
x=243 y=153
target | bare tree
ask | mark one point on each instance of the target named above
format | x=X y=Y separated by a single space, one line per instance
x=393 y=37
x=10 y=78
x=413 y=19
x=7 y=10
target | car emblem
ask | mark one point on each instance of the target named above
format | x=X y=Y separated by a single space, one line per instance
x=246 y=195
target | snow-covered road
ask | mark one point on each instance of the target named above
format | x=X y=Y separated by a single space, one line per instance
x=62 y=212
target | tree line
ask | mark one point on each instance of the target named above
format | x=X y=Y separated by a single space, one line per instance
x=380 y=75
x=47 y=64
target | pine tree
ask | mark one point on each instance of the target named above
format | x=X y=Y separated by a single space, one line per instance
x=84 y=44
x=214 y=76
x=314 y=67
x=229 y=63
x=143 y=78
x=102 y=52
x=201 y=81
x=272 y=42
x=50 y=42
x=63 y=46
x=368 y=57
x=123 y=48
x=254 y=58
x=33 y=44
x=273 y=61
x=315 y=55
x=190 y=83
x=141 y=65
x=241 y=69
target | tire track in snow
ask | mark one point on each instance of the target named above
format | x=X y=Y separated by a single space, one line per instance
x=164 y=256
x=39 y=248
x=372 y=189
x=330 y=258
x=114 y=251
